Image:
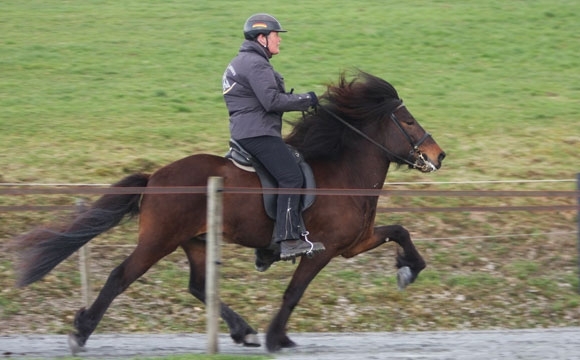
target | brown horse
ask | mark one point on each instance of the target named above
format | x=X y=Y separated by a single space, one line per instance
x=360 y=128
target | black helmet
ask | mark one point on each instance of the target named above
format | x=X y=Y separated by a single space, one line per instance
x=261 y=24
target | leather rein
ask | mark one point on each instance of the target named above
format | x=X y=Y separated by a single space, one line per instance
x=414 y=145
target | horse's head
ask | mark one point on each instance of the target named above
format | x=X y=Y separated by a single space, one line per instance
x=415 y=147
x=374 y=110
x=371 y=113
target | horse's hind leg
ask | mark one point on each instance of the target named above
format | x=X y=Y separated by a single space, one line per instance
x=86 y=320
x=240 y=331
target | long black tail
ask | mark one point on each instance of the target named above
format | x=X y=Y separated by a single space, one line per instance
x=44 y=248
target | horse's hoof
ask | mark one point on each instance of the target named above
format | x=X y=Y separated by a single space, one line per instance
x=74 y=345
x=252 y=340
x=265 y=258
x=286 y=344
x=262 y=268
x=404 y=276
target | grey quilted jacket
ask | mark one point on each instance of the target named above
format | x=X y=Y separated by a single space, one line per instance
x=255 y=95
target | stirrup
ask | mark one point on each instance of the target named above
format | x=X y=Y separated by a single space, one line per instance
x=307 y=248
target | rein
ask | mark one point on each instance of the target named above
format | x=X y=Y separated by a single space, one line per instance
x=389 y=152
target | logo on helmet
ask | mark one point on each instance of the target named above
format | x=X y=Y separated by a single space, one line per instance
x=259 y=25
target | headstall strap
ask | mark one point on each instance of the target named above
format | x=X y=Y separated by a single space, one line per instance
x=414 y=146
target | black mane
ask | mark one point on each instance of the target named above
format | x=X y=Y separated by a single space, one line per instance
x=361 y=101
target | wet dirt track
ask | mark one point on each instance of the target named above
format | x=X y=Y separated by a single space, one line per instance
x=556 y=343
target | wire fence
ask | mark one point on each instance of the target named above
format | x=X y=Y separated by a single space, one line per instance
x=569 y=200
x=81 y=189
x=89 y=189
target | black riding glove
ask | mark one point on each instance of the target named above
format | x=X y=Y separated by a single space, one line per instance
x=313 y=98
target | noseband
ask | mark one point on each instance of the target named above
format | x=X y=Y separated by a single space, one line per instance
x=414 y=145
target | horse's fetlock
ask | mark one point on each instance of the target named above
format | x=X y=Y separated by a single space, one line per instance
x=78 y=317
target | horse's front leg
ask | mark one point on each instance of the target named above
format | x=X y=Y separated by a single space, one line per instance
x=409 y=262
x=276 y=337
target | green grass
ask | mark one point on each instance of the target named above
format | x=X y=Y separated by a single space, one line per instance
x=143 y=78
x=92 y=91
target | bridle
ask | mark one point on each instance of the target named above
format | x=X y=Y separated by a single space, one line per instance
x=423 y=164
x=414 y=145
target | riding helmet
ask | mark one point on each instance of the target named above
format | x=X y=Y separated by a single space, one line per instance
x=261 y=24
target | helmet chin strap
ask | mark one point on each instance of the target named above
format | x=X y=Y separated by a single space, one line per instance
x=266 y=46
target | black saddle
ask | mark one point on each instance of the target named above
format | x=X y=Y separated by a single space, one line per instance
x=246 y=161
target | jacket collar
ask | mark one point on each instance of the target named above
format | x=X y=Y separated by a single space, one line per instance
x=254 y=46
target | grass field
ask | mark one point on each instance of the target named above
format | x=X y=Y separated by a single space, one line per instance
x=92 y=91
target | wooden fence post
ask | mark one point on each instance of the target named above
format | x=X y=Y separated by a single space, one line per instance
x=85 y=269
x=578 y=228
x=214 y=239
x=84 y=263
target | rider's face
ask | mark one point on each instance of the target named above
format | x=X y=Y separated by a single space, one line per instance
x=272 y=41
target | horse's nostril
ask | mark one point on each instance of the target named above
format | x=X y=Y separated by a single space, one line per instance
x=441 y=156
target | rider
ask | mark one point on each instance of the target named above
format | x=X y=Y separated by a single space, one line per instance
x=256 y=100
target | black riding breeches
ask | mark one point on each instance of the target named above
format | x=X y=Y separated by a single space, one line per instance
x=273 y=153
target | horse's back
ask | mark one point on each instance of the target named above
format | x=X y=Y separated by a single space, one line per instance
x=193 y=170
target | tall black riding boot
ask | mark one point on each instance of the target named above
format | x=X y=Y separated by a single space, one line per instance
x=291 y=233
x=290 y=238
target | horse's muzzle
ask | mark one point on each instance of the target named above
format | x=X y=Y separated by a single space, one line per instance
x=423 y=163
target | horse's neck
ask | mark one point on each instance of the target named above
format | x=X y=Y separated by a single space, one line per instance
x=366 y=169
